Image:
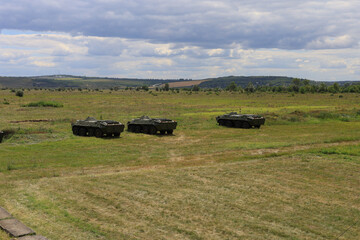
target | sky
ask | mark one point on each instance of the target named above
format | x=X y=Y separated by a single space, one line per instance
x=191 y=39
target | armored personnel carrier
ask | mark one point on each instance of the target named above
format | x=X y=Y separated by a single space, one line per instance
x=1 y=136
x=98 y=128
x=234 y=119
x=149 y=125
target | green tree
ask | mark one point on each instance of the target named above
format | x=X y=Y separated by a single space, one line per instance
x=322 y=88
x=250 y=87
x=195 y=88
x=144 y=87
x=306 y=82
x=232 y=87
x=302 y=90
x=296 y=82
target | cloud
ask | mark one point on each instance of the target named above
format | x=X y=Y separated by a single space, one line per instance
x=43 y=64
x=35 y=54
x=105 y=46
x=209 y=24
x=344 y=41
x=181 y=39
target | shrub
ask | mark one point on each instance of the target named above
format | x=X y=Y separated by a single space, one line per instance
x=195 y=88
x=43 y=104
x=19 y=93
x=9 y=132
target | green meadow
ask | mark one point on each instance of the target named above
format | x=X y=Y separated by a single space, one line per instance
x=297 y=177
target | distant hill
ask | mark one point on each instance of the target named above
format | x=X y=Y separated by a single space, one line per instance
x=69 y=81
x=223 y=82
x=243 y=81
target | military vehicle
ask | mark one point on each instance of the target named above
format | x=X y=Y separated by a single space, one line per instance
x=1 y=136
x=149 y=125
x=98 y=128
x=234 y=119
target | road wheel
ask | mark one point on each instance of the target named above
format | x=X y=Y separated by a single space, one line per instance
x=238 y=124
x=152 y=130
x=145 y=129
x=130 y=128
x=257 y=126
x=82 y=132
x=117 y=134
x=91 y=132
x=221 y=122
x=229 y=123
x=246 y=125
x=169 y=132
x=137 y=129
x=75 y=130
x=162 y=132
x=98 y=133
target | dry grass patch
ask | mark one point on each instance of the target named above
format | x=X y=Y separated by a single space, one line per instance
x=185 y=83
x=304 y=196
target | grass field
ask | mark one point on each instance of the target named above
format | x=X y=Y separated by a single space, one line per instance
x=298 y=177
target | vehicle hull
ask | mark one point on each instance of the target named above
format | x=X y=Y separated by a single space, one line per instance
x=92 y=127
x=149 y=125
x=240 y=120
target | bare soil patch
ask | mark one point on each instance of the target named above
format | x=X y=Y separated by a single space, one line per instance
x=186 y=83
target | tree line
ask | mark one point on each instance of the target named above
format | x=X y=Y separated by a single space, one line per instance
x=297 y=86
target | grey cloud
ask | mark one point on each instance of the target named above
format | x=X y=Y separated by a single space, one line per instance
x=11 y=56
x=333 y=65
x=105 y=46
x=192 y=52
x=271 y=63
x=345 y=41
x=209 y=24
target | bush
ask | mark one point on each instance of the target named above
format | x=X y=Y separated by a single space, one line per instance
x=195 y=88
x=43 y=104
x=9 y=132
x=19 y=93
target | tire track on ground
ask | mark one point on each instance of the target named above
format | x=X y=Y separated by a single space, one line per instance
x=197 y=160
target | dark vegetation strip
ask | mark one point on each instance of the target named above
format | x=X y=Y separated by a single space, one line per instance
x=43 y=104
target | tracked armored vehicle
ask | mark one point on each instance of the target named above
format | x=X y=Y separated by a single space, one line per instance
x=98 y=128
x=149 y=125
x=234 y=119
x=1 y=136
